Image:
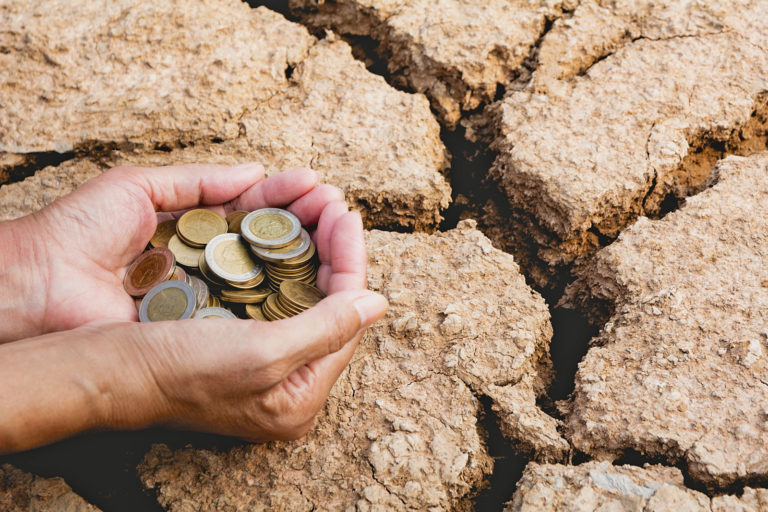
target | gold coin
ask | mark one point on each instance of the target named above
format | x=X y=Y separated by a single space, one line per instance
x=234 y=220
x=163 y=233
x=197 y=227
x=287 y=306
x=185 y=255
x=270 y=309
x=300 y=294
x=253 y=296
x=248 y=285
x=213 y=301
x=254 y=312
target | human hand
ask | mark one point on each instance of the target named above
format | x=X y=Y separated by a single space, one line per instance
x=64 y=265
x=239 y=377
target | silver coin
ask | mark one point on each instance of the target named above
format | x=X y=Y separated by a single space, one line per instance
x=171 y=300
x=278 y=255
x=286 y=227
x=228 y=258
x=215 y=313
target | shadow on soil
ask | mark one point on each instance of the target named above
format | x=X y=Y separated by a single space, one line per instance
x=101 y=466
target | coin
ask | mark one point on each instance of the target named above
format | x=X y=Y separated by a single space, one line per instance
x=303 y=259
x=215 y=313
x=300 y=294
x=270 y=309
x=170 y=300
x=213 y=301
x=234 y=220
x=229 y=259
x=185 y=255
x=245 y=296
x=180 y=275
x=201 y=291
x=209 y=276
x=293 y=250
x=197 y=227
x=163 y=233
x=254 y=312
x=270 y=228
x=150 y=269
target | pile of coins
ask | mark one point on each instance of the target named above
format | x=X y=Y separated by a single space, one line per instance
x=260 y=265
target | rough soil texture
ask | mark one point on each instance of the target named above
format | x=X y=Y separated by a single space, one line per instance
x=599 y=486
x=629 y=105
x=23 y=492
x=400 y=429
x=213 y=81
x=680 y=371
x=458 y=52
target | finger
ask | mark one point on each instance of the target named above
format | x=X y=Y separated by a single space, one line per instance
x=330 y=214
x=349 y=259
x=325 y=328
x=174 y=188
x=276 y=191
x=310 y=206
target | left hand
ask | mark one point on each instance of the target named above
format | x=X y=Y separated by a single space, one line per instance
x=63 y=266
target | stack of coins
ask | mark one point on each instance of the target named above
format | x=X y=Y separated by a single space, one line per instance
x=226 y=273
x=277 y=238
x=292 y=298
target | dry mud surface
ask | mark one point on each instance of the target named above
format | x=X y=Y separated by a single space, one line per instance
x=680 y=371
x=212 y=81
x=23 y=492
x=597 y=118
x=400 y=428
x=601 y=486
x=583 y=155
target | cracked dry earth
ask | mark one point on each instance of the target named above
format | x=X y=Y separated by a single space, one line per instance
x=627 y=179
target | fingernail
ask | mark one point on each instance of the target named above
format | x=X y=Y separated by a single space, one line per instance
x=370 y=307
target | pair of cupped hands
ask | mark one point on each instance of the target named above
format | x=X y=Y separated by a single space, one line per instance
x=73 y=357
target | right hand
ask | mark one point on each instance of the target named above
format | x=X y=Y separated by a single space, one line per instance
x=263 y=380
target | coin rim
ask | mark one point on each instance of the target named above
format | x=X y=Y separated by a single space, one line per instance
x=274 y=257
x=183 y=286
x=245 y=229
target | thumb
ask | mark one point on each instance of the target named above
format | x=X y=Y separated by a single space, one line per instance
x=326 y=327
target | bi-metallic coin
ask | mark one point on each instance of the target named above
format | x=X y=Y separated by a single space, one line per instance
x=150 y=269
x=171 y=300
x=270 y=228
x=227 y=257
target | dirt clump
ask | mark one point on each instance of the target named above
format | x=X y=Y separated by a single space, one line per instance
x=587 y=147
x=601 y=486
x=400 y=427
x=24 y=492
x=128 y=85
x=457 y=52
x=678 y=371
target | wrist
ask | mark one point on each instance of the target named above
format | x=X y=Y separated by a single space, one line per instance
x=61 y=384
x=23 y=272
